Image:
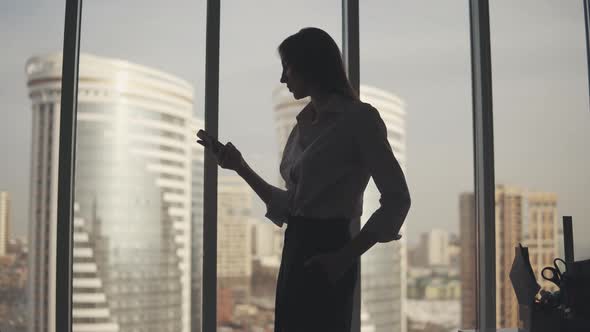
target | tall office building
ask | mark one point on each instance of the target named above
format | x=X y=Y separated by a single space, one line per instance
x=383 y=271
x=521 y=217
x=5 y=216
x=132 y=186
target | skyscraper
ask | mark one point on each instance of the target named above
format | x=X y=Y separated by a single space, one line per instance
x=383 y=267
x=4 y=221
x=132 y=187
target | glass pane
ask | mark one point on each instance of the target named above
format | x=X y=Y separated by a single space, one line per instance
x=138 y=193
x=256 y=113
x=542 y=130
x=28 y=171
x=416 y=70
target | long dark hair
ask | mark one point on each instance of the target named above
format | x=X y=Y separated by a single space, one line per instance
x=313 y=54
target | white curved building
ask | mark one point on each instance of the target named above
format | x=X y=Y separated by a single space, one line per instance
x=383 y=268
x=133 y=186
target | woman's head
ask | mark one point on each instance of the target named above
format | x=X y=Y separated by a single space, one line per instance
x=312 y=62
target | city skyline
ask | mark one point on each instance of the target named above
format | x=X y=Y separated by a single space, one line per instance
x=541 y=117
x=428 y=56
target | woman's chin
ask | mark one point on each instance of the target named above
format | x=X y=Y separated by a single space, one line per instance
x=297 y=96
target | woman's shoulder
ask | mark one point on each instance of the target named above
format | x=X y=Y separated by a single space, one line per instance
x=363 y=111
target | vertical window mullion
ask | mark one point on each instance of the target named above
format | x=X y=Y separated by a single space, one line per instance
x=66 y=166
x=209 y=284
x=483 y=164
x=350 y=54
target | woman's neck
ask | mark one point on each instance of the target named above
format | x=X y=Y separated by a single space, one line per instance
x=321 y=100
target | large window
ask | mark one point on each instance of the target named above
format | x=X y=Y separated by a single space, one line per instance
x=137 y=250
x=138 y=186
x=256 y=113
x=415 y=69
x=541 y=135
x=28 y=187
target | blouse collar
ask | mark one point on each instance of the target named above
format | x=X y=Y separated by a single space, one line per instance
x=334 y=105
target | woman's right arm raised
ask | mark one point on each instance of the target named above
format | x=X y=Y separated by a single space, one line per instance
x=276 y=200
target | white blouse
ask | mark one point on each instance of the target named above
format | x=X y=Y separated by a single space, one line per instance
x=327 y=164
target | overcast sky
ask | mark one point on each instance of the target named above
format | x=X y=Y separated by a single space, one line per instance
x=418 y=50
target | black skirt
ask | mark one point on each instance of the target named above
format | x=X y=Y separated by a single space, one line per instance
x=305 y=300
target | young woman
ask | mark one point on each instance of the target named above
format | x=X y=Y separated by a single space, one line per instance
x=337 y=144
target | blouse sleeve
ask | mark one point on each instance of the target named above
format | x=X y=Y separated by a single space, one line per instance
x=377 y=155
x=277 y=208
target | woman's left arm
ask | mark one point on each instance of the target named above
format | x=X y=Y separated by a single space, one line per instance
x=376 y=153
x=385 y=223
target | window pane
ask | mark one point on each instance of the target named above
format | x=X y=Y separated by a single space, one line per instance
x=138 y=192
x=28 y=171
x=256 y=113
x=542 y=130
x=415 y=69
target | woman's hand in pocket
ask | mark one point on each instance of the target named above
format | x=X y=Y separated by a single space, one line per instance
x=332 y=265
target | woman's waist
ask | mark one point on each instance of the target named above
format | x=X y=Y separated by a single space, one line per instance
x=319 y=232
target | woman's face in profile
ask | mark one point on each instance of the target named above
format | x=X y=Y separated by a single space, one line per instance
x=294 y=81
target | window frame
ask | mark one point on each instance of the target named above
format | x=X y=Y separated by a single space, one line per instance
x=482 y=137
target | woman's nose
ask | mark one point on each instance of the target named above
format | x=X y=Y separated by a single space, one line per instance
x=283 y=78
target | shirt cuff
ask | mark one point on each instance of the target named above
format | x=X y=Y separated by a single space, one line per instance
x=277 y=209
x=384 y=226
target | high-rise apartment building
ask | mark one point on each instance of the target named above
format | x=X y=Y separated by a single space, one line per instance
x=383 y=277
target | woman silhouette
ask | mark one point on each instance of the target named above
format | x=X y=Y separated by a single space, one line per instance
x=337 y=144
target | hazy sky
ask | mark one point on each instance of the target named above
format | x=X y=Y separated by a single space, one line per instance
x=418 y=50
